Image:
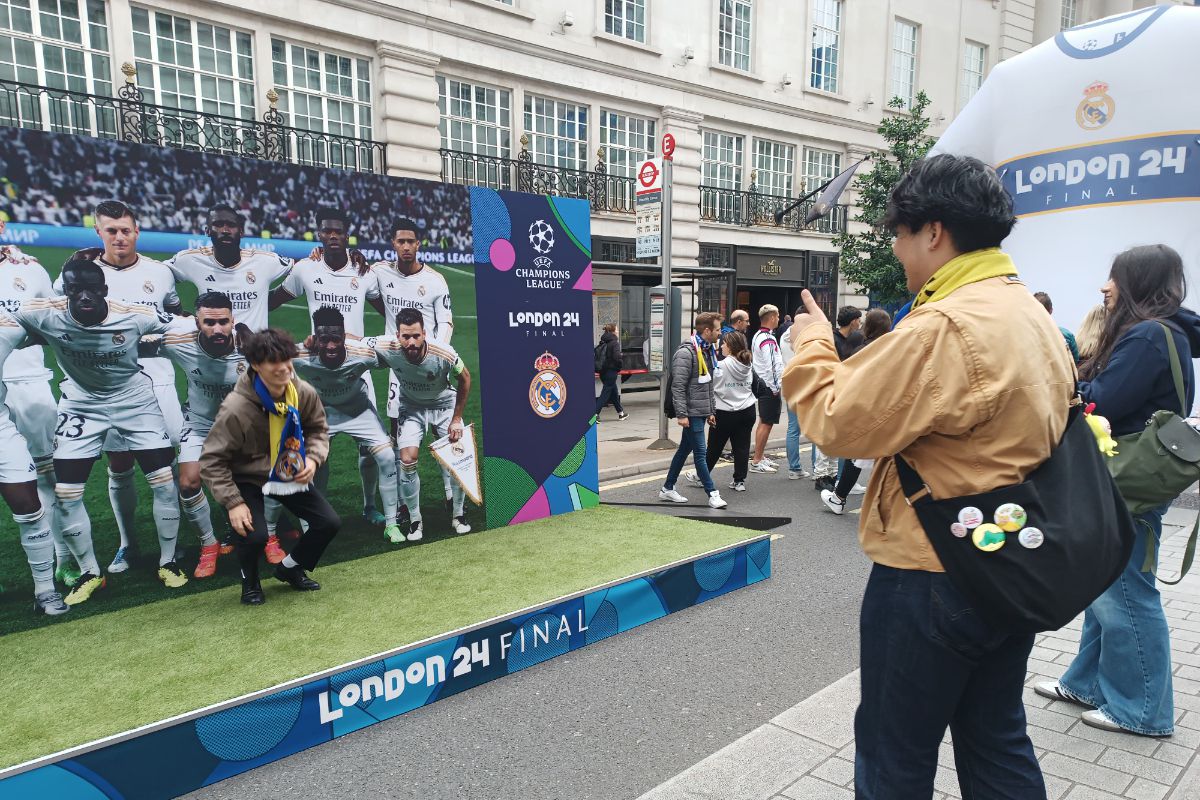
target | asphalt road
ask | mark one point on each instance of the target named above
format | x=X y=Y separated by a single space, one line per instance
x=617 y=718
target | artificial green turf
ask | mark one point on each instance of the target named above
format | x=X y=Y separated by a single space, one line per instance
x=94 y=677
x=140 y=585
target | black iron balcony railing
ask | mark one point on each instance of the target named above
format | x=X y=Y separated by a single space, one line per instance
x=129 y=117
x=614 y=193
x=737 y=207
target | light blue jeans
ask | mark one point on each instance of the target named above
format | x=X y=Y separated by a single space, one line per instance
x=1124 y=663
x=793 y=442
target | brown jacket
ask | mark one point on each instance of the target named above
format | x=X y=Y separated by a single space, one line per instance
x=237 y=447
x=973 y=390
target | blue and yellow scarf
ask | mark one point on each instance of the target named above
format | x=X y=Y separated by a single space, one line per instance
x=287 y=440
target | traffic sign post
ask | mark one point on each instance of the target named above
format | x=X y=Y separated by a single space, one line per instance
x=670 y=336
x=648 y=218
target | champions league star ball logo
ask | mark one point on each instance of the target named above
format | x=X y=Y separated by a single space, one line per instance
x=1096 y=109
x=541 y=236
x=548 y=391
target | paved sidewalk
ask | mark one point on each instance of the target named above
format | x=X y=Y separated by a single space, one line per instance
x=623 y=444
x=807 y=752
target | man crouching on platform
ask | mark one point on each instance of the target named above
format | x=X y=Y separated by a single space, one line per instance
x=269 y=437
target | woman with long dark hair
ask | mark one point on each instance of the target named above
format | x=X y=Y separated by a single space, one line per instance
x=1123 y=670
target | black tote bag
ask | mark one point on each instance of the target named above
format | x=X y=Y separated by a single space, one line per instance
x=1045 y=566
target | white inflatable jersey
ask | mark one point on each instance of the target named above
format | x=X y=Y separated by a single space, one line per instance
x=1097 y=137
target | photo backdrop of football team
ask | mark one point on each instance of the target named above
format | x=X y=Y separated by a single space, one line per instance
x=280 y=241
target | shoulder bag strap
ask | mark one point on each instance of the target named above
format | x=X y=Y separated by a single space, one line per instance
x=1176 y=370
x=914 y=487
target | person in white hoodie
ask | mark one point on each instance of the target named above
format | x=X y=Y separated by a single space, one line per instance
x=734 y=400
x=768 y=365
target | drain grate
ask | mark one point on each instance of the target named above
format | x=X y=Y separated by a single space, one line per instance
x=631 y=439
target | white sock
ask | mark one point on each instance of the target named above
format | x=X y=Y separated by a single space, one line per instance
x=410 y=489
x=45 y=490
x=39 y=548
x=385 y=462
x=123 y=496
x=71 y=518
x=370 y=477
x=166 y=512
x=198 y=513
x=289 y=562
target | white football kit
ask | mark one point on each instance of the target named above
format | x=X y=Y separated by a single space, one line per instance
x=425 y=290
x=16 y=465
x=32 y=403
x=248 y=282
x=210 y=379
x=349 y=409
x=106 y=391
x=427 y=389
x=1094 y=134
x=343 y=289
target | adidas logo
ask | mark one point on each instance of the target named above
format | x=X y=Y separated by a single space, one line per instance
x=318 y=280
x=196 y=371
x=391 y=286
x=211 y=279
x=66 y=337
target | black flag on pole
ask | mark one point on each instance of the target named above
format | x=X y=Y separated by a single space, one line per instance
x=832 y=194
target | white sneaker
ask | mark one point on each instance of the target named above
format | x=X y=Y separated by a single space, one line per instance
x=771 y=462
x=797 y=474
x=762 y=466
x=671 y=496
x=416 y=531
x=715 y=501
x=858 y=489
x=691 y=477
x=834 y=503
x=737 y=486
x=1054 y=691
x=461 y=525
x=119 y=564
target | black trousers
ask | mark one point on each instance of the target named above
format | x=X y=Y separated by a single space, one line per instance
x=849 y=477
x=733 y=427
x=311 y=506
x=610 y=391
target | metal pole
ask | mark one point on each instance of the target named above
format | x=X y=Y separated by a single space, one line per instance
x=664 y=385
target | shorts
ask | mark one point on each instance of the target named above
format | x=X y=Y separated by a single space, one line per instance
x=35 y=413
x=130 y=421
x=768 y=409
x=16 y=465
x=364 y=428
x=172 y=413
x=413 y=422
x=191 y=440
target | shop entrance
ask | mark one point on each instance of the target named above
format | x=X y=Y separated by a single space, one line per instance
x=752 y=298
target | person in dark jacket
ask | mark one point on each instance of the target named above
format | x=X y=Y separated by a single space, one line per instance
x=847 y=337
x=1122 y=672
x=610 y=371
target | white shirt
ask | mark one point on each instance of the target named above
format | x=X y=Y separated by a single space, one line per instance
x=23 y=278
x=343 y=289
x=732 y=385
x=425 y=290
x=1078 y=126
x=768 y=362
x=248 y=282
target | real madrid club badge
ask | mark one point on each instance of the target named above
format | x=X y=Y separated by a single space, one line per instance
x=959 y=530
x=548 y=391
x=970 y=517
x=988 y=538
x=1031 y=538
x=1011 y=517
x=1096 y=109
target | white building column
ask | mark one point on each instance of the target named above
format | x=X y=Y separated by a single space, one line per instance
x=684 y=125
x=408 y=111
x=120 y=40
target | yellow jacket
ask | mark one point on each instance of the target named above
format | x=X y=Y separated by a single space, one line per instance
x=973 y=389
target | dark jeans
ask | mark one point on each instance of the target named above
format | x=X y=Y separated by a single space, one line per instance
x=691 y=443
x=610 y=391
x=928 y=662
x=847 y=479
x=312 y=507
x=735 y=427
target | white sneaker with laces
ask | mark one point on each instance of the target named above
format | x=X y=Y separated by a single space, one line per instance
x=761 y=466
x=737 y=486
x=1054 y=691
x=797 y=474
x=670 y=496
x=691 y=477
x=858 y=489
x=715 y=501
x=834 y=503
x=772 y=462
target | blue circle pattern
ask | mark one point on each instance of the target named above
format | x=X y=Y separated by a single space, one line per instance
x=759 y=552
x=252 y=729
x=604 y=623
x=713 y=572
x=489 y=221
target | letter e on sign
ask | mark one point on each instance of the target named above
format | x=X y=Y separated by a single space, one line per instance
x=668 y=145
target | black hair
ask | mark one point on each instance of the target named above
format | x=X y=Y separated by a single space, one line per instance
x=410 y=316
x=1044 y=299
x=214 y=300
x=82 y=266
x=847 y=314
x=270 y=346
x=328 y=317
x=115 y=209
x=223 y=207
x=405 y=224
x=324 y=214
x=962 y=193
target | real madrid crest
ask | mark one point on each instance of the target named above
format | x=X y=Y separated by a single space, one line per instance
x=1097 y=108
x=354 y=283
x=19 y=285
x=148 y=287
x=547 y=391
x=241 y=367
x=421 y=290
x=250 y=277
x=118 y=338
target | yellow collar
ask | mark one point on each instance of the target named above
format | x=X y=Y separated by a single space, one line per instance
x=978 y=265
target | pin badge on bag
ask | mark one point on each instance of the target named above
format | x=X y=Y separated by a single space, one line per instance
x=959 y=530
x=970 y=517
x=1011 y=517
x=1031 y=538
x=988 y=538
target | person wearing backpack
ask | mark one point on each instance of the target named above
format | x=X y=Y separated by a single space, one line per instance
x=1122 y=672
x=607 y=357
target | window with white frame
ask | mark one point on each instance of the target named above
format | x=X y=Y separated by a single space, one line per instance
x=826 y=45
x=475 y=118
x=820 y=166
x=1070 y=9
x=627 y=140
x=733 y=33
x=322 y=91
x=904 y=62
x=721 y=160
x=187 y=64
x=974 y=61
x=62 y=44
x=775 y=164
x=558 y=132
x=626 y=18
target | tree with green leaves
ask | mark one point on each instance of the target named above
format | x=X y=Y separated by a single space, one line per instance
x=867 y=257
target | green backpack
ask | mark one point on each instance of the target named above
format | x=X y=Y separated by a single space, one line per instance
x=1159 y=463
